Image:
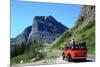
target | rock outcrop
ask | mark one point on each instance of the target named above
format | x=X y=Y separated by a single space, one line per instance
x=87 y=11
x=45 y=29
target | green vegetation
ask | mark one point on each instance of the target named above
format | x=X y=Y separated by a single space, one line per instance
x=33 y=50
x=84 y=31
x=52 y=54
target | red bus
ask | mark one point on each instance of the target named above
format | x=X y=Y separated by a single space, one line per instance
x=74 y=52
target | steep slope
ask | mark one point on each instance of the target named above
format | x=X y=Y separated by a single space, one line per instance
x=84 y=30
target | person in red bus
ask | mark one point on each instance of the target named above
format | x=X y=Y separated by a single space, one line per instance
x=75 y=51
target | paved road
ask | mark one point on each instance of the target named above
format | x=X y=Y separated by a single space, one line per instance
x=90 y=58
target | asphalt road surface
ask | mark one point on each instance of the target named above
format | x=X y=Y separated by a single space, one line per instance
x=90 y=58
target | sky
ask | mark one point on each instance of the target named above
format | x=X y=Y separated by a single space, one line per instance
x=22 y=14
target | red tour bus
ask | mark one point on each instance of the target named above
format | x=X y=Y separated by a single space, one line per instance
x=75 y=52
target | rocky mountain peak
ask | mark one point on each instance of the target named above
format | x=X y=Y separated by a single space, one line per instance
x=39 y=18
x=44 y=29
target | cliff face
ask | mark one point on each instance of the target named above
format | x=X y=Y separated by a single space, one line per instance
x=86 y=12
x=45 y=29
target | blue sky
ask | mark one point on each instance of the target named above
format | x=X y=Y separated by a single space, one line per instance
x=22 y=14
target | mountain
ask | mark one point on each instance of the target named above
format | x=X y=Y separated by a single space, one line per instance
x=21 y=38
x=44 y=29
x=83 y=30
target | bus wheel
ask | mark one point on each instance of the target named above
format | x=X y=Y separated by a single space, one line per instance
x=69 y=58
